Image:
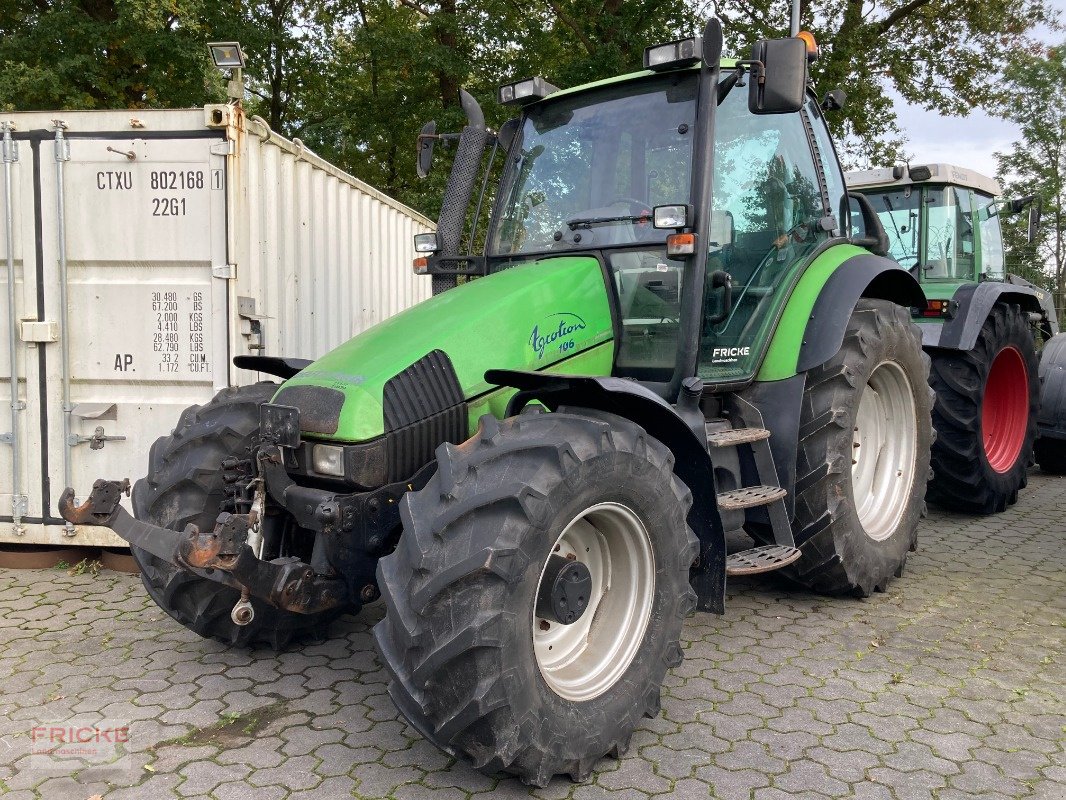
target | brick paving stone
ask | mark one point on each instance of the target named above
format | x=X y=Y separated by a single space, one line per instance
x=785 y=696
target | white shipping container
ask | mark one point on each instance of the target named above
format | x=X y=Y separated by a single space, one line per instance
x=142 y=251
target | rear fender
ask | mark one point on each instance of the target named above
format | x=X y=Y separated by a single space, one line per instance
x=692 y=463
x=975 y=302
x=860 y=276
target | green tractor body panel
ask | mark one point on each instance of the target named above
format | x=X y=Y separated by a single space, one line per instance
x=783 y=353
x=550 y=315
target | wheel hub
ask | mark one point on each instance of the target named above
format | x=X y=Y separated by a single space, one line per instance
x=564 y=590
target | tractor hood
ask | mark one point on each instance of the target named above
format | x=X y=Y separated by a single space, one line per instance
x=529 y=317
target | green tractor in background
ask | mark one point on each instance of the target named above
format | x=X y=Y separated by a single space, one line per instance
x=980 y=328
x=672 y=338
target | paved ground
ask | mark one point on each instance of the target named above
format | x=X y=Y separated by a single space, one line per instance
x=948 y=685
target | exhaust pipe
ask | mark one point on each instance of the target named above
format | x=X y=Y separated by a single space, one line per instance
x=460 y=189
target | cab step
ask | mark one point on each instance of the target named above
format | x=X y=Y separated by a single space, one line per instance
x=750 y=497
x=760 y=559
x=735 y=436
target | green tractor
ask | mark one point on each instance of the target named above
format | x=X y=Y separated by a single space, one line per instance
x=671 y=336
x=980 y=327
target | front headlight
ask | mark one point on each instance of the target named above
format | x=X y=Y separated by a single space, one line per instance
x=327 y=459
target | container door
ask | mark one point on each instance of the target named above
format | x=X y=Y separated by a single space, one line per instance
x=144 y=227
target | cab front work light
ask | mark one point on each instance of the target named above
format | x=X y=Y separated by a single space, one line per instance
x=681 y=53
x=526 y=91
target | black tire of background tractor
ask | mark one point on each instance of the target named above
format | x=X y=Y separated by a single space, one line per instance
x=963 y=480
x=838 y=557
x=459 y=590
x=1051 y=452
x=183 y=485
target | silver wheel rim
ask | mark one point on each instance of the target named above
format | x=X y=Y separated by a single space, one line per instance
x=885 y=446
x=583 y=660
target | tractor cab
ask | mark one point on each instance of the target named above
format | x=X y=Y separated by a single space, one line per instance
x=703 y=188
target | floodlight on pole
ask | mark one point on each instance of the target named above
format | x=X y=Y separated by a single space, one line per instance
x=229 y=55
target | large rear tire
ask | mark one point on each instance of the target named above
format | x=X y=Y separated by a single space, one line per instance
x=863 y=459
x=184 y=485
x=476 y=667
x=985 y=416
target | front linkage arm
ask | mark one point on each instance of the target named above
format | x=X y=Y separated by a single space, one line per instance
x=221 y=555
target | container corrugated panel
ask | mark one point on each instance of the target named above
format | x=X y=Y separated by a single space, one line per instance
x=147 y=252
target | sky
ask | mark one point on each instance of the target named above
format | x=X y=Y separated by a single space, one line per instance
x=964 y=141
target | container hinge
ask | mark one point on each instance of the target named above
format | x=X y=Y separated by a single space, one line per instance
x=20 y=505
x=96 y=441
x=226 y=148
x=10 y=146
x=62 y=143
x=226 y=272
x=7 y=438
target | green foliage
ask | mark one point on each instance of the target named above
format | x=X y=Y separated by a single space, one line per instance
x=943 y=55
x=104 y=54
x=1036 y=165
x=355 y=79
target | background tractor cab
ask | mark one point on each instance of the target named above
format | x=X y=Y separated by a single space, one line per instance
x=943 y=221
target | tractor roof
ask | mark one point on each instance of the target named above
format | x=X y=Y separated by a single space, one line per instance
x=726 y=63
x=938 y=173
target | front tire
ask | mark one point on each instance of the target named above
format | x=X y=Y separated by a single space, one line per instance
x=475 y=666
x=184 y=485
x=863 y=458
x=985 y=416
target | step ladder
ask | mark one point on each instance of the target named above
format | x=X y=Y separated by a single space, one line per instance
x=753 y=457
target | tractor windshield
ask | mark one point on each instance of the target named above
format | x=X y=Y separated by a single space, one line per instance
x=588 y=169
x=899 y=210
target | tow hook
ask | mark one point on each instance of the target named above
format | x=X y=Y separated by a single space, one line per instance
x=242 y=613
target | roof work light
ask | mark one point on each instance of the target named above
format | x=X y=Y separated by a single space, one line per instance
x=680 y=53
x=525 y=91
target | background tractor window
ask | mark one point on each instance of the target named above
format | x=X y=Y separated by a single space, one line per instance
x=949 y=247
x=899 y=211
x=992 y=262
x=765 y=224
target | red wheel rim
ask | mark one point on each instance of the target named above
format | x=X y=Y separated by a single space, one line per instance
x=1005 y=412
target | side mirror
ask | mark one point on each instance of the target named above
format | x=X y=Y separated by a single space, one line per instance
x=1035 y=206
x=1034 y=220
x=427 y=140
x=506 y=134
x=781 y=87
x=873 y=236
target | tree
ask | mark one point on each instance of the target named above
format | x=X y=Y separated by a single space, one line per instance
x=943 y=55
x=104 y=54
x=1036 y=164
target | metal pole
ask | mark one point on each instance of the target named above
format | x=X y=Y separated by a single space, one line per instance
x=18 y=500
x=62 y=155
x=794 y=28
